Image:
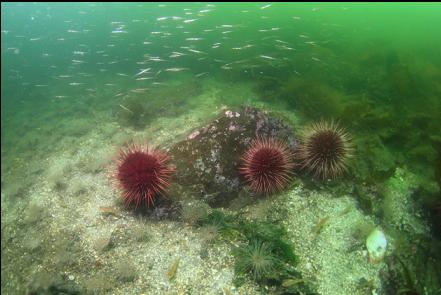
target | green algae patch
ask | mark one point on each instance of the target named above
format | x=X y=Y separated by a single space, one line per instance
x=262 y=252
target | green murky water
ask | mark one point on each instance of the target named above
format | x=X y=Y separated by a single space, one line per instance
x=69 y=72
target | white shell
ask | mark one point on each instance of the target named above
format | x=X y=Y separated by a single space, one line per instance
x=376 y=244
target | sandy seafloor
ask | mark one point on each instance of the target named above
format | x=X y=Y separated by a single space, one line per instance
x=55 y=180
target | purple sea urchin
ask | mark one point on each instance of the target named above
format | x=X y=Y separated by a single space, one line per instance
x=325 y=150
x=142 y=173
x=267 y=165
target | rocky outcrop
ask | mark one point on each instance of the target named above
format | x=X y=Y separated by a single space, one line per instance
x=207 y=161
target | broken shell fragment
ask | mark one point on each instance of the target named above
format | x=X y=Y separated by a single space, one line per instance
x=376 y=244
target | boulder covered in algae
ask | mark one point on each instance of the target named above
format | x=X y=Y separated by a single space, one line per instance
x=208 y=160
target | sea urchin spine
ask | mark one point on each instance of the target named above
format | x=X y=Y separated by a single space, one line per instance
x=325 y=150
x=267 y=165
x=142 y=173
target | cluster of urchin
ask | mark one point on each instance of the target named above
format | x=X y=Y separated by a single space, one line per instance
x=324 y=152
x=143 y=172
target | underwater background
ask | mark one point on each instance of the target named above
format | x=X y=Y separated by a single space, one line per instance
x=80 y=81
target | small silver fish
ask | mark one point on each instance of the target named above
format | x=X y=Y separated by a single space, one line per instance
x=125 y=108
x=267 y=57
x=175 y=69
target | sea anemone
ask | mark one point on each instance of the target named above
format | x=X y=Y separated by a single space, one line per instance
x=267 y=165
x=142 y=173
x=325 y=150
x=256 y=258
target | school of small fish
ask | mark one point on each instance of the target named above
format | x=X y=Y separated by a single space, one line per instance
x=148 y=48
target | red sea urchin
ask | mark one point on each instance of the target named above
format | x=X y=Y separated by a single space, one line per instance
x=267 y=165
x=142 y=173
x=325 y=150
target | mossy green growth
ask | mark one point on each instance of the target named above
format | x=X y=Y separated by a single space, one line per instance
x=225 y=224
x=374 y=162
x=270 y=233
x=262 y=252
x=266 y=256
x=314 y=99
x=415 y=267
